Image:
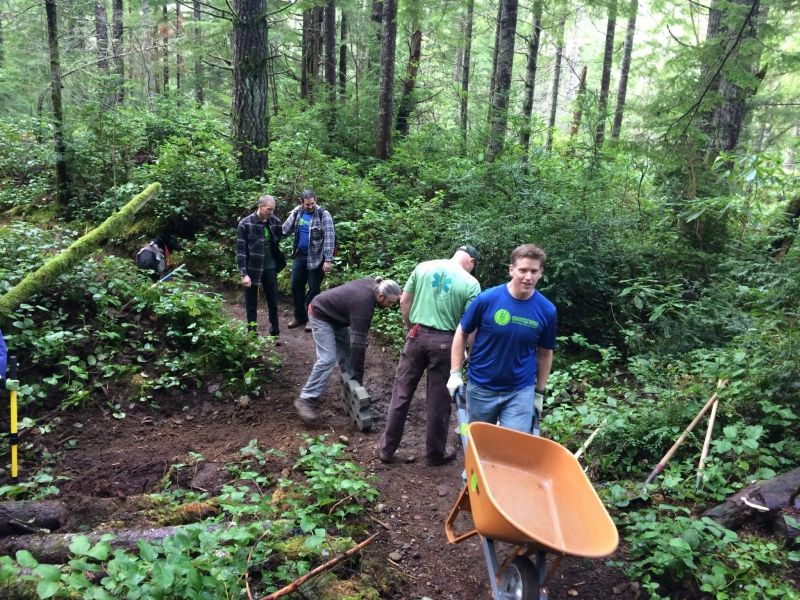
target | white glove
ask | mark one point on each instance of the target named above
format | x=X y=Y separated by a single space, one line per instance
x=454 y=382
x=538 y=401
x=12 y=384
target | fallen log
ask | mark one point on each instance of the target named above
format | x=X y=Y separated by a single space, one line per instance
x=39 y=280
x=53 y=548
x=766 y=502
x=31 y=516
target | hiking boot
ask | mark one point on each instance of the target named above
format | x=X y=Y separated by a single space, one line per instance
x=438 y=461
x=276 y=341
x=394 y=459
x=306 y=411
x=308 y=327
x=295 y=323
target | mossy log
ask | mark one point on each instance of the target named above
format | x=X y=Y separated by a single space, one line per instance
x=766 y=502
x=20 y=517
x=53 y=548
x=84 y=246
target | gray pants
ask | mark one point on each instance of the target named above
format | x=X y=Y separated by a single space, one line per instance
x=333 y=345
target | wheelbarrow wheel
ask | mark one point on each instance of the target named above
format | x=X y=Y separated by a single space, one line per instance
x=520 y=580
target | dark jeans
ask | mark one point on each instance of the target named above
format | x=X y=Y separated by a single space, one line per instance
x=429 y=351
x=302 y=276
x=269 y=283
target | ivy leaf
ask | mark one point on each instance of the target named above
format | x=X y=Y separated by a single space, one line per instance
x=26 y=559
x=80 y=545
x=47 y=589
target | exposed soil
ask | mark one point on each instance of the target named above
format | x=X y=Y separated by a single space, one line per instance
x=117 y=458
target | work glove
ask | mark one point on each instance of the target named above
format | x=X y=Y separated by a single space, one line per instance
x=12 y=384
x=538 y=401
x=454 y=382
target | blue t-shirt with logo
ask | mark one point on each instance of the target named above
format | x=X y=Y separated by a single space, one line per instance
x=503 y=357
x=303 y=227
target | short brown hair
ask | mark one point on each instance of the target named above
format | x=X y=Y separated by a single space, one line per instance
x=531 y=251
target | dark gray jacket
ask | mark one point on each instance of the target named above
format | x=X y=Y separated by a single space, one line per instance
x=250 y=246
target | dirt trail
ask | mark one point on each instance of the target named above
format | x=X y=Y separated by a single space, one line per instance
x=120 y=457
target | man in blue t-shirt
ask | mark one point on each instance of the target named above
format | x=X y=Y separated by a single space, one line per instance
x=511 y=358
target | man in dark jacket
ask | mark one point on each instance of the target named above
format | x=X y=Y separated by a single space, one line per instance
x=155 y=255
x=312 y=253
x=260 y=260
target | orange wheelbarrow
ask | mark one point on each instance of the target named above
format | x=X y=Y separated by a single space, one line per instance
x=532 y=493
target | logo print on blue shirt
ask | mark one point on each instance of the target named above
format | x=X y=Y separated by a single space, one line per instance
x=442 y=283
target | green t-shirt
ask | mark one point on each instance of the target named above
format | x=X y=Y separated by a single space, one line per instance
x=269 y=259
x=442 y=291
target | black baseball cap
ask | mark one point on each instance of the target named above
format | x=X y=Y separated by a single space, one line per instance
x=469 y=250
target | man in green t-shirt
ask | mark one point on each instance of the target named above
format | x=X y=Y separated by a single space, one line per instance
x=433 y=301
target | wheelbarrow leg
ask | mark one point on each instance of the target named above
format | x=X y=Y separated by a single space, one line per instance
x=490 y=555
x=541 y=570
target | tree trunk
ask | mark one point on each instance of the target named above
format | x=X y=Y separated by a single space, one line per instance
x=605 y=80
x=530 y=77
x=465 y=73
x=101 y=33
x=578 y=114
x=407 y=99
x=22 y=517
x=147 y=53
x=311 y=57
x=2 y=44
x=198 y=63
x=343 y=55
x=388 y=41
x=117 y=46
x=728 y=116
x=62 y=177
x=330 y=63
x=551 y=124
x=165 y=47
x=79 y=250
x=622 y=88
x=495 y=50
x=373 y=49
x=178 y=55
x=250 y=62
x=779 y=496
x=507 y=31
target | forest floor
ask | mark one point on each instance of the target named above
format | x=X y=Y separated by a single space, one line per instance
x=116 y=458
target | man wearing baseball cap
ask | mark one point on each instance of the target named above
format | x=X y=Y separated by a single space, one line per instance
x=434 y=299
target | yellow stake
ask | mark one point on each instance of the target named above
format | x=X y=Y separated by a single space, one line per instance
x=13 y=397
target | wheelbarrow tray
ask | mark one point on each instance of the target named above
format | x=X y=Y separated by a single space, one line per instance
x=527 y=490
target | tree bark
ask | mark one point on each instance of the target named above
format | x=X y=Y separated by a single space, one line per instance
x=20 y=517
x=39 y=280
x=530 y=78
x=465 y=74
x=778 y=496
x=117 y=46
x=728 y=116
x=165 y=47
x=147 y=53
x=311 y=55
x=507 y=31
x=53 y=548
x=551 y=123
x=624 y=69
x=178 y=55
x=250 y=116
x=605 y=80
x=388 y=41
x=2 y=44
x=330 y=63
x=578 y=114
x=62 y=176
x=101 y=33
x=374 y=49
x=343 y=55
x=407 y=98
x=198 y=63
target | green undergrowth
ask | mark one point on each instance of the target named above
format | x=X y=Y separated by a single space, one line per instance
x=270 y=531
